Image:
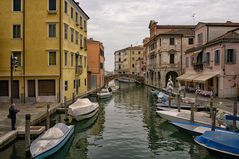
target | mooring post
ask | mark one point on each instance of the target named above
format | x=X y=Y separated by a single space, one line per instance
x=214 y=112
x=184 y=92
x=169 y=101
x=48 y=117
x=211 y=106
x=65 y=107
x=234 y=114
x=73 y=97
x=192 y=113
x=178 y=102
x=27 y=132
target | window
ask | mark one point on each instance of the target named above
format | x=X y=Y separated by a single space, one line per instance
x=139 y=52
x=217 y=57
x=133 y=52
x=16 y=31
x=17 y=56
x=52 y=30
x=200 y=37
x=133 y=65
x=81 y=21
x=187 y=62
x=85 y=26
x=171 y=41
x=66 y=31
x=171 y=59
x=66 y=8
x=206 y=58
x=17 y=5
x=81 y=41
x=190 y=41
x=85 y=43
x=76 y=18
x=52 y=5
x=160 y=41
x=85 y=81
x=81 y=60
x=72 y=35
x=66 y=53
x=72 y=59
x=231 y=56
x=52 y=58
x=72 y=13
x=77 y=37
x=85 y=61
x=102 y=65
x=119 y=59
x=133 y=58
x=66 y=85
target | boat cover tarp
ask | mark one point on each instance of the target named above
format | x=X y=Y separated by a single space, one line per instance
x=222 y=141
x=81 y=107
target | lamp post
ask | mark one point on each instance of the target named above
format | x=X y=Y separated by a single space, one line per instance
x=13 y=65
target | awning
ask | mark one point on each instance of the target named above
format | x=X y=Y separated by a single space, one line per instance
x=205 y=76
x=187 y=77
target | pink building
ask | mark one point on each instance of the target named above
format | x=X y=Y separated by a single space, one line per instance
x=212 y=64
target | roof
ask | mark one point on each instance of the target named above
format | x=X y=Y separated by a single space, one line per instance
x=77 y=3
x=226 y=24
x=175 y=26
x=139 y=47
x=230 y=36
x=185 y=32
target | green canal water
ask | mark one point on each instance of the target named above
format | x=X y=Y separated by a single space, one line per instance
x=126 y=127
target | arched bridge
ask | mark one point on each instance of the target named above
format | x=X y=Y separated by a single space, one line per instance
x=139 y=79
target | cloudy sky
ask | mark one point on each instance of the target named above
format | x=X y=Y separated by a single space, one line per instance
x=120 y=23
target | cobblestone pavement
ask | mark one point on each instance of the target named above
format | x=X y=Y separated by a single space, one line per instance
x=36 y=110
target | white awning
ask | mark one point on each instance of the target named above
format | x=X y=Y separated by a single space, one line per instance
x=205 y=76
x=187 y=77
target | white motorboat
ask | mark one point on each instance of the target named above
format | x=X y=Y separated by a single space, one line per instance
x=184 y=116
x=126 y=80
x=104 y=93
x=113 y=86
x=51 y=141
x=83 y=109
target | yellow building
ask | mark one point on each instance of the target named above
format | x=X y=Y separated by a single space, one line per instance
x=127 y=59
x=48 y=37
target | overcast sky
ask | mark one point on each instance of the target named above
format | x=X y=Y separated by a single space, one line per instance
x=120 y=23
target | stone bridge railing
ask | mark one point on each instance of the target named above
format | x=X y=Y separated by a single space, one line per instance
x=139 y=79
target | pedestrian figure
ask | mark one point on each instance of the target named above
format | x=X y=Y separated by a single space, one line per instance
x=12 y=114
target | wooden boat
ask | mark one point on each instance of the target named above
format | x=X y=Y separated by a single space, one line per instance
x=51 y=141
x=184 y=116
x=222 y=144
x=194 y=129
x=104 y=93
x=113 y=86
x=182 y=106
x=83 y=109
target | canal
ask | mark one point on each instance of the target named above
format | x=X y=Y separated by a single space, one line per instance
x=126 y=127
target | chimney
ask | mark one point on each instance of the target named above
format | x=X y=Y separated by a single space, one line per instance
x=78 y=3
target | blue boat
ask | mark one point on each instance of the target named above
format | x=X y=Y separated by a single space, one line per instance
x=222 y=144
x=51 y=141
x=194 y=129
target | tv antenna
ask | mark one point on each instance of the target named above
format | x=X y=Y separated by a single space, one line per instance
x=194 y=18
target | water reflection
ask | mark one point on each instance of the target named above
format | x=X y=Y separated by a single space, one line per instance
x=126 y=126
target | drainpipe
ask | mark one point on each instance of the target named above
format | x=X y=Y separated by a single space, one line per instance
x=24 y=49
x=60 y=51
x=181 y=56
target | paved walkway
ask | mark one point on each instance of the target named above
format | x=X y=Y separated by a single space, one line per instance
x=37 y=111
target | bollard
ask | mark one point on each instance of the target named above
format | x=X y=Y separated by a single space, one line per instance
x=169 y=101
x=73 y=97
x=214 y=112
x=48 y=117
x=211 y=106
x=178 y=102
x=27 y=132
x=192 y=113
x=235 y=114
x=184 y=92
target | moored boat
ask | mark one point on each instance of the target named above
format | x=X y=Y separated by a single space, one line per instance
x=222 y=144
x=182 y=106
x=83 y=109
x=51 y=141
x=195 y=129
x=104 y=93
x=126 y=80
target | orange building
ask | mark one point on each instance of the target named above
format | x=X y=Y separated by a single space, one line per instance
x=95 y=62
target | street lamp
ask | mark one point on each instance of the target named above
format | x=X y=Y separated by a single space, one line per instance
x=13 y=66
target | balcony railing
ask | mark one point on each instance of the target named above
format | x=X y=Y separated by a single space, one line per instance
x=198 y=67
x=79 y=70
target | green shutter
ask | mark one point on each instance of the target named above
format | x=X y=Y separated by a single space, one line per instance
x=225 y=56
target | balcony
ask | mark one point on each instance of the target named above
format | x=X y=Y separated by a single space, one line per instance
x=79 y=70
x=198 y=67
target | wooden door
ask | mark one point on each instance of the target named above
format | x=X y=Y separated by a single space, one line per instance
x=31 y=88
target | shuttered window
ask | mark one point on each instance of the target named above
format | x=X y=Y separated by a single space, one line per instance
x=46 y=87
x=217 y=57
x=16 y=31
x=52 y=30
x=231 y=56
x=4 y=91
x=52 y=58
x=17 y=5
x=52 y=5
